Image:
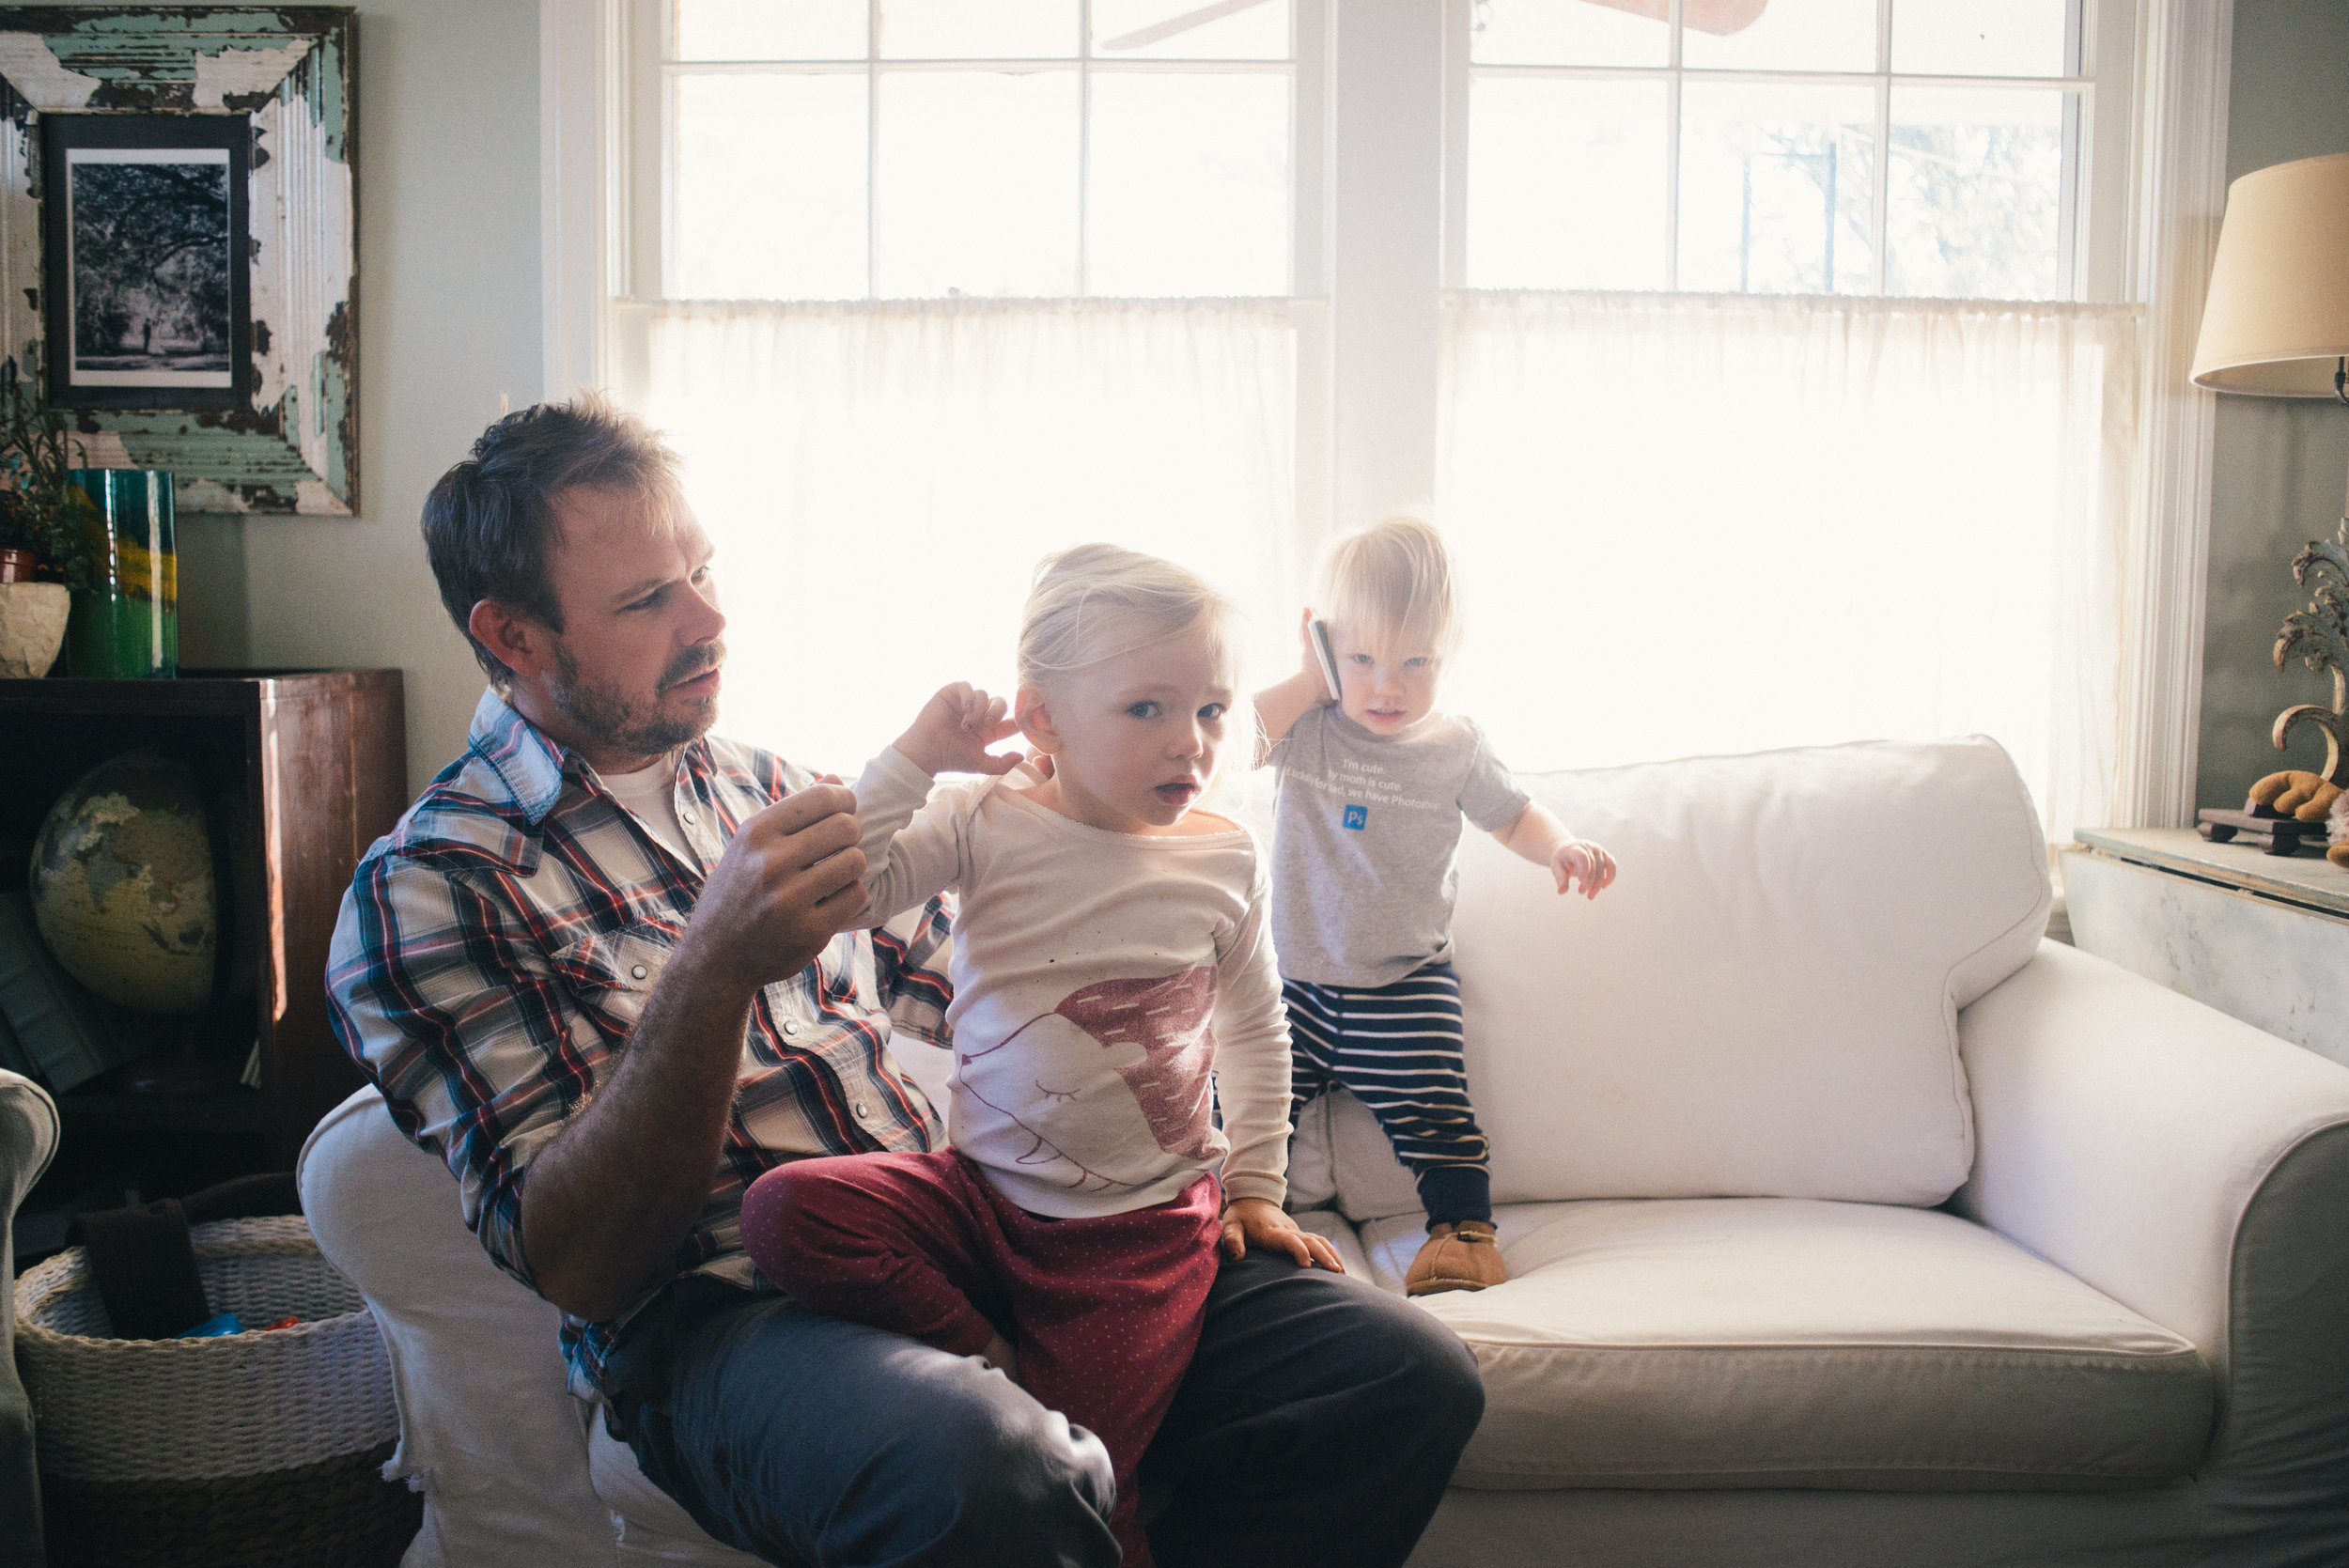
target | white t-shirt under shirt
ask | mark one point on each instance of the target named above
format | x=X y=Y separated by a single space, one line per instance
x=1100 y=978
x=651 y=794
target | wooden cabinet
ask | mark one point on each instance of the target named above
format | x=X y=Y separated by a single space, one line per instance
x=300 y=769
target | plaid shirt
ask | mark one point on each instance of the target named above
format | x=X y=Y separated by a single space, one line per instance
x=496 y=949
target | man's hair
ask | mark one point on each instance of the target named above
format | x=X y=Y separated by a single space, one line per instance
x=489 y=522
x=1391 y=584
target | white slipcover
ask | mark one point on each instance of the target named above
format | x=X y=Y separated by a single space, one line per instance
x=1765 y=1005
x=487 y=1429
x=1761 y=1017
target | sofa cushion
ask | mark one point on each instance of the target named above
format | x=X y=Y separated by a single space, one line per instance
x=1339 y=1159
x=1794 y=1343
x=486 y=1425
x=1765 y=1002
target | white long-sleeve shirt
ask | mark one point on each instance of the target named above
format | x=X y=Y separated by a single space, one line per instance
x=1099 y=979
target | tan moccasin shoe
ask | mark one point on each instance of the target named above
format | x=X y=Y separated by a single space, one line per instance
x=1456 y=1257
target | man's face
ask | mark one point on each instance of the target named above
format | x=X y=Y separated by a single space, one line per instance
x=636 y=663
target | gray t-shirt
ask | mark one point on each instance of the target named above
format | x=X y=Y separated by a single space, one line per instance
x=1365 y=829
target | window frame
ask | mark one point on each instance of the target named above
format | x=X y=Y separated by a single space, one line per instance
x=2100 y=45
x=2153 y=202
x=652 y=73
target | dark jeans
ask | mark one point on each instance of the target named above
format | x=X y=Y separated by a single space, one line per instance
x=1318 y=1423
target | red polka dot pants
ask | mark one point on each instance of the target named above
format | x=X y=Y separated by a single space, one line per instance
x=1103 y=1312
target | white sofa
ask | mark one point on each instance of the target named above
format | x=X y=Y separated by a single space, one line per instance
x=1850 y=1222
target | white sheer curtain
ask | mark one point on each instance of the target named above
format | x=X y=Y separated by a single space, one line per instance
x=880 y=480
x=1695 y=525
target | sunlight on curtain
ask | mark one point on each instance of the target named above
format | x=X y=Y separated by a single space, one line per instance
x=1717 y=525
x=881 y=479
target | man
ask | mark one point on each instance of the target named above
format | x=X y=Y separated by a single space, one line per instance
x=594 y=969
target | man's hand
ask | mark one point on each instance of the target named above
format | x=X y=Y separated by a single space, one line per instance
x=789 y=879
x=1580 y=860
x=610 y=1198
x=1264 y=1223
x=954 y=730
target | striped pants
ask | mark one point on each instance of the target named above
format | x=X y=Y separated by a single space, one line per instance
x=1397 y=1050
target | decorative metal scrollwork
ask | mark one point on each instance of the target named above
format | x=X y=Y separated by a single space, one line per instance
x=2318 y=635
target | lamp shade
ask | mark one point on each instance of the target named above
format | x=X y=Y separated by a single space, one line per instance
x=2277 y=320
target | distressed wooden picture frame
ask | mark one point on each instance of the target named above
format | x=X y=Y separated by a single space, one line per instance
x=293 y=443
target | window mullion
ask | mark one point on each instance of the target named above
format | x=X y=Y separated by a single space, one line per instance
x=872 y=148
x=1671 y=152
x=1459 y=82
x=1880 y=190
x=1085 y=145
x=1387 y=271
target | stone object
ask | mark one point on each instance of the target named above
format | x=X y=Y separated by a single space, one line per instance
x=123 y=885
x=32 y=628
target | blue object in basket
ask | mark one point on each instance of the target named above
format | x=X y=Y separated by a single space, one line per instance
x=212 y=1327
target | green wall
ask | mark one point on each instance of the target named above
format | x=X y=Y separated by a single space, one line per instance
x=448 y=323
x=2281 y=465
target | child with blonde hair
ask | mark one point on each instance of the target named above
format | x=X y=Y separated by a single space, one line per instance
x=1113 y=980
x=1372 y=790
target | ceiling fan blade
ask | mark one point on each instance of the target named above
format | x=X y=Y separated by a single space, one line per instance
x=1142 y=37
x=1705 y=16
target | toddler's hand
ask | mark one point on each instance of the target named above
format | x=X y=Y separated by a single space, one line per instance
x=1579 y=859
x=954 y=730
x=1004 y=1359
x=1264 y=1223
x=1310 y=660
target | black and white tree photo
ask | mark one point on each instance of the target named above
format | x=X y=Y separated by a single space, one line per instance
x=151 y=249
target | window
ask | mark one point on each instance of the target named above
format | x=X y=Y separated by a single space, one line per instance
x=1764 y=359
x=1918 y=148
x=1699 y=519
x=839 y=150
x=928 y=289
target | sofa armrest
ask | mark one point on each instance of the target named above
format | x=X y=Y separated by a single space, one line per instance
x=2196 y=1169
x=28 y=1137
x=2124 y=1132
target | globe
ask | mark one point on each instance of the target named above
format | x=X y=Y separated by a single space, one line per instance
x=122 y=885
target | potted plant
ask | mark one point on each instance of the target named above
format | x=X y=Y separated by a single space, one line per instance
x=44 y=536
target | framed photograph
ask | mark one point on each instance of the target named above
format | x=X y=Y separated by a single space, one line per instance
x=147 y=265
x=179 y=243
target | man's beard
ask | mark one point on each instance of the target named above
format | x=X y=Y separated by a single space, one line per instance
x=613 y=722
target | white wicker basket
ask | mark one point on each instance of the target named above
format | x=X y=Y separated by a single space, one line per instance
x=132 y=1410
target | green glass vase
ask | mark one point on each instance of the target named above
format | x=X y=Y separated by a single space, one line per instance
x=127 y=628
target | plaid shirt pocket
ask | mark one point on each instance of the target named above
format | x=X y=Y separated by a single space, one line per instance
x=612 y=973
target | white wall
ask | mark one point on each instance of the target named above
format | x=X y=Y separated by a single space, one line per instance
x=448 y=323
x=2280 y=465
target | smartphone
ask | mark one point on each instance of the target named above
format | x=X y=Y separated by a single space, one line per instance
x=1319 y=631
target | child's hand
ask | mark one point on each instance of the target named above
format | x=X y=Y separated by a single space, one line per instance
x=1579 y=859
x=999 y=1354
x=954 y=730
x=1310 y=660
x=1264 y=1223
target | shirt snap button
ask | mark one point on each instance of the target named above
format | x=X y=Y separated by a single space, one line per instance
x=791 y=1026
x=638 y=972
x=863 y=1112
x=690 y=818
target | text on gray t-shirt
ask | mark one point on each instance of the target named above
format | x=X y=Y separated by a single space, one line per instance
x=1365 y=831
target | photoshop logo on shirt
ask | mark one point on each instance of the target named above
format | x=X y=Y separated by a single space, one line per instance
x=1358 y=817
